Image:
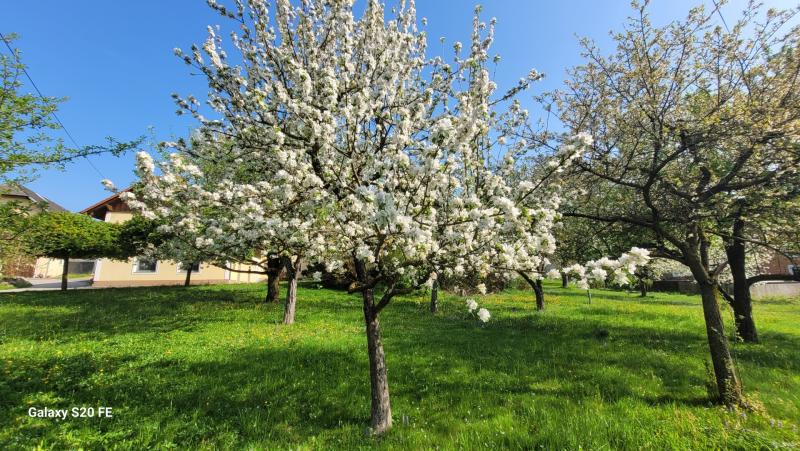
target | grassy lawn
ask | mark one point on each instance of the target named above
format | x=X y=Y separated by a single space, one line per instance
x=211 y=367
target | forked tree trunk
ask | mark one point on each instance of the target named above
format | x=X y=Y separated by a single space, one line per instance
x=381 y=412
x=188 y=280
x=275 y=270
x=742 y=302
x=564 y=281
x=537 y=289
x=728 y=385
x=435 y=296
x=293 y=274
x=65 y=274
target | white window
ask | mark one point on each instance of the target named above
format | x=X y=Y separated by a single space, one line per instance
x=145 y=265
x=195 y=267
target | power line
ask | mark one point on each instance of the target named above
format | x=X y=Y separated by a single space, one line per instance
x=53 y=113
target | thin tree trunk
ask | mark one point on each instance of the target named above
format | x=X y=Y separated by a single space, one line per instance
x=728 y=385
x=276 y=269
x=188 y=280
x=381 y=410
x=65 y=274
x=742 y=302
x=564 y=281
x=537 y=288
x=642 y=288
x=293 y=273
x=435 y=296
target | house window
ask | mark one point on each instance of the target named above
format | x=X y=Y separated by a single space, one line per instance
x=195 y=267
x=794 y=270
x=144 y=264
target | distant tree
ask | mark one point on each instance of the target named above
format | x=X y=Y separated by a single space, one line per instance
x=13 y=218
x=140 y=236
x=65 y=235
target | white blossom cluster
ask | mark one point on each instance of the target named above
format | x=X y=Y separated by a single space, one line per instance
x=337 y=139
x=618 y=272
x=481 y=313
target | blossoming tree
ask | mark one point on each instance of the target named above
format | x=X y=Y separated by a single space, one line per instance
x=687 y=118
x=344 y=144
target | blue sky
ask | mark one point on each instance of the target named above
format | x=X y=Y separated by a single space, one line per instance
x=113 y=60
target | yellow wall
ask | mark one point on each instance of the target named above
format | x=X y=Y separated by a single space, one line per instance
x=48 y=267
x=122 y=273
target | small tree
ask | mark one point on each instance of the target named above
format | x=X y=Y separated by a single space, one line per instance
x=66 y=235
x=140 y=236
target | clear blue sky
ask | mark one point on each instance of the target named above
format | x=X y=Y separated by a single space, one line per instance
x=113 y=60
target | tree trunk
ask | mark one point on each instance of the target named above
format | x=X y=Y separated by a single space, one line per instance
x=435 y=296
x=642 y=288
x=537 y=288
x=564 y=281
x=188 y=280
x=293 y=273
x=728 y=385
x=273 y=287
x=276 y=268
x=65 y=274
x=742 y=302
x=381 y=410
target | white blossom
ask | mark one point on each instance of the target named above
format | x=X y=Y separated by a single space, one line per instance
x=108 y=184
x=484 y=315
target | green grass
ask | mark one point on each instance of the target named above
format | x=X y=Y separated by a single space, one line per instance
x=80 y=275
x=6 y=286
x=212 y=368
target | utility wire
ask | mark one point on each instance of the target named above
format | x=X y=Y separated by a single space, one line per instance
x=53 y=113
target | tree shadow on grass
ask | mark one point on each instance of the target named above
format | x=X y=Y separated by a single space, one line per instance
x=614 y=295
x=280 y=395
x=664 y=365
x=106 y=313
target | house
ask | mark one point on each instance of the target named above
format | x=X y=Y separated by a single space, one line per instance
x=14 y=262
x=781 y=264
x=773 y=263
x=141 y=271
x=12 y=192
